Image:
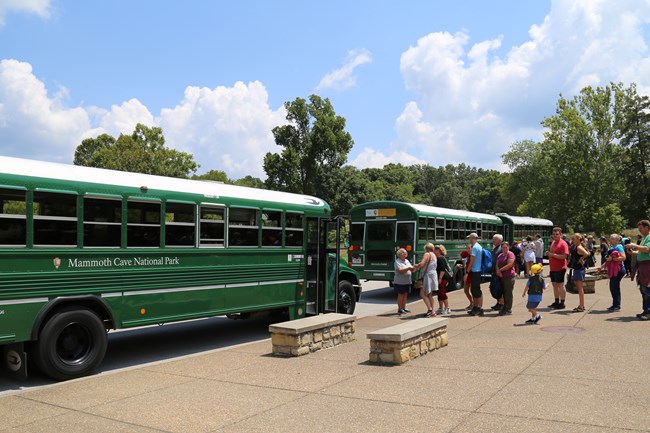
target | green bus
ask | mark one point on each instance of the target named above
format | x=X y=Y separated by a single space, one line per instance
x=519 y=227
x=86 y=250
x=379 y=229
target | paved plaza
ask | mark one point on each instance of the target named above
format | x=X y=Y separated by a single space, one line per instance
x=573 y=372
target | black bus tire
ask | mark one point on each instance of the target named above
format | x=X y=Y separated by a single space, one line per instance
x=347 y=298
x=458 y=279
x=72 y=344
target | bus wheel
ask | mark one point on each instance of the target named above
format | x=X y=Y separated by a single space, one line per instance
x=458 y=280
x=72 y=344
x=347 y=298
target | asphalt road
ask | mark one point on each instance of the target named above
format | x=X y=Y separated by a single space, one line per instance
x=135 y=347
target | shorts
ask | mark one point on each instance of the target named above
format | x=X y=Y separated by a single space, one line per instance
x=400 y=289
x=532 y=305
x=539 y=260
x=558 y=276
x=442 y=292
x=476 y=284
x=578 y=275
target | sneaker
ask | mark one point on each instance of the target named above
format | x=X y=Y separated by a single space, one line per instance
x=531 y=320
x=505 y=312
x=440 y=311
x=496 y=306
x=429 y=313
x=447 y=311
x=613 y=309
x=479 y=312
x=401 y=311
x=644 y=316
x=560 y=306
x=554 y=305
x=406 y=310
x=537 y=318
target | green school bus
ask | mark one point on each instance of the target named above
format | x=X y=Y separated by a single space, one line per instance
x=519 y=227
x=86 y=250
x=379 y=229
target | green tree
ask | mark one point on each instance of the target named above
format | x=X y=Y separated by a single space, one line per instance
x=84 y=153
x=212 y=175
x=143 y=151
x=576 y=169
x=314 y=142
x=634 y=125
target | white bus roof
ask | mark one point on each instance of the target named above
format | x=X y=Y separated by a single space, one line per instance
x=454 y=212
x=75 y=173
x=528 y=221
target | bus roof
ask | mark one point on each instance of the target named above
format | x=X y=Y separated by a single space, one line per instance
x=436 y=211
x=76 y=173
x=454 y=212
x=526 y=220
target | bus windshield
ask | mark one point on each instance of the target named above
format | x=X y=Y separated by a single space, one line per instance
x=381 y=231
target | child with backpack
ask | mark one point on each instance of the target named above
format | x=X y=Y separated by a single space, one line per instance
x=535 y=286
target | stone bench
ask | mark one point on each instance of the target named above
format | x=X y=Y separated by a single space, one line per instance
x=400 y=343
x=303 y=336
x=590 y=283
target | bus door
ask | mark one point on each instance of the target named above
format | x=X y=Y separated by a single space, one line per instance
x=323 y=264
x=313 y=269
x=380 y=249
x=405 y=238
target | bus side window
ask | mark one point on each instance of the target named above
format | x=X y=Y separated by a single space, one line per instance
x=212 y=226
x=179 y=224
x=271 y=228
x=102 y=222
x=293 y=229
x=143 y=224
x=55 y=219
x=243 y=228
x=13 y=229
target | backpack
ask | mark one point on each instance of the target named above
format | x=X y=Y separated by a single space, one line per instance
x=486 y=261
x=448 y=272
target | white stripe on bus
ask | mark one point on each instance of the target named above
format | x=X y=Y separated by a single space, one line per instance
x=23 y=301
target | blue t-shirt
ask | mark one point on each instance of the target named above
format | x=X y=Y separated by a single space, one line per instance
x=620 y=250
x=477 y=252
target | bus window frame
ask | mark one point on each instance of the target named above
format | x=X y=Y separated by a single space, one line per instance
x=287 y=230
x=16 y=216
x=245 y=227
x=139 y=199
x=209 y=221
x=272 y=228
x=193 y=224
x=54 y=218
x=96 y=196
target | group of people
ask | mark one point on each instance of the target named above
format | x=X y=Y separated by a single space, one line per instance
x=575 y=255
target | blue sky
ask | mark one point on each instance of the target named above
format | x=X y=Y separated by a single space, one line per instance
x=418 y=82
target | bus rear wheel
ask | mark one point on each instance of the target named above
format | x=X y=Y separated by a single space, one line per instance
x=458 y=279
x=72 y=344
x=347 y=298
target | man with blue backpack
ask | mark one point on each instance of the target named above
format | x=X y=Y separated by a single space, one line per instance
x=477 y=262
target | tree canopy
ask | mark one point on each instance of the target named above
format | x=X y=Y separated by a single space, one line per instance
x=143 y=151
x=315 y=142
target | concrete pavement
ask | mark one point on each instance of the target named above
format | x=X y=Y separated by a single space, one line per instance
x=573 y=372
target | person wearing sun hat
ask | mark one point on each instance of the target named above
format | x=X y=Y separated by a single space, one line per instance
x=535 y=286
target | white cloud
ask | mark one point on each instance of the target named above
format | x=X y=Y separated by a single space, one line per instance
x=372 y=158
x=32 y=123
x=38 y=7
x=344 y=78
x=226 y=128
x=470 y=104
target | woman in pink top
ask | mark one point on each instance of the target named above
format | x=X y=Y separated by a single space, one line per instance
x=506 y=271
